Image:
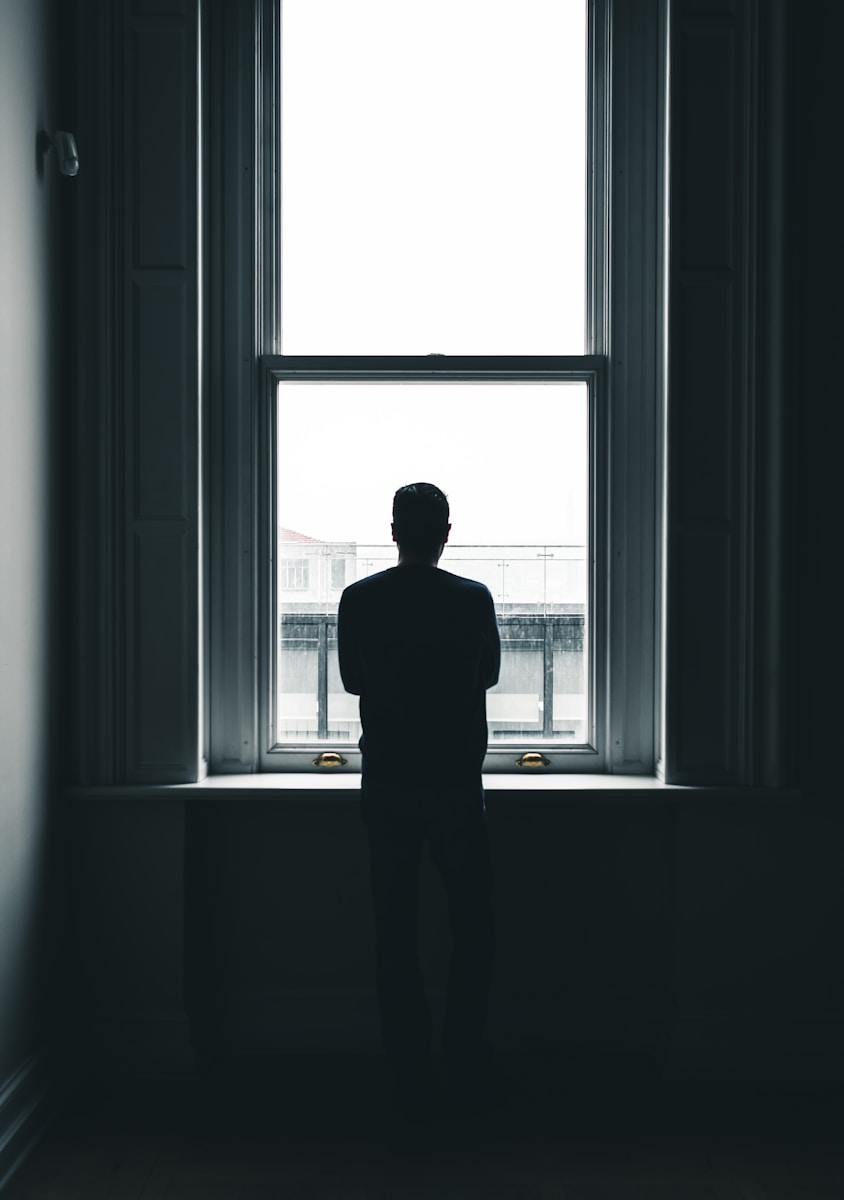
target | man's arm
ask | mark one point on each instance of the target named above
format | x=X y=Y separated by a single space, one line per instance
x=347 y=646
x=490 y=643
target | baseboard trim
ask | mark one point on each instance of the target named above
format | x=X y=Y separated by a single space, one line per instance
x=24 y=1114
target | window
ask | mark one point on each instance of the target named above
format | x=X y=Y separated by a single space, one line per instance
x=295 y=574
x=389 y=338
x=432 y=309
x=525 y=531
x=684 y=475
x=338 y=574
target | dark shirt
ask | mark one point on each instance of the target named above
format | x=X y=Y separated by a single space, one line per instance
x=420 y=647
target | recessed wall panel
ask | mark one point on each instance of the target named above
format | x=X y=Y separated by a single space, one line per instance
x=162 y=400
x=703 y=646
x=702 y=414
x=163 y=158
x=159 y=8
x=711 y=376
x=711 y=8
x=162 y=734
x=702 y=141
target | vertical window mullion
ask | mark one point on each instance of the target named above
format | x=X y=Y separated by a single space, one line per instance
x=322 y=678
x=548 y=678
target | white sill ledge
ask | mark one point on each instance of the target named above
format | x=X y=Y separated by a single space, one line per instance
x=303 y=786
x=310 y=781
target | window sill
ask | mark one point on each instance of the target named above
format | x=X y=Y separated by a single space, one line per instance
x=305 y=786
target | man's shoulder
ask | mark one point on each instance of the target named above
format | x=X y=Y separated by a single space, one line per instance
x=370 y=583
x=461 y=584
x=431 y=581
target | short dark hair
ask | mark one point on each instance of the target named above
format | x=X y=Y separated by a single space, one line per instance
x=420 y=517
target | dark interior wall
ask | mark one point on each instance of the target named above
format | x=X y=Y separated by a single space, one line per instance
x=702 y=928
x=685 y=929
x=32 y=197
x=696 y=931
x=816 y=430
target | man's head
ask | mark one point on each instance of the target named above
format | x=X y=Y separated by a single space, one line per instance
x=420 y=520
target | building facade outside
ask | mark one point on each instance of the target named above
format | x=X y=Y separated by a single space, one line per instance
x=540 y=595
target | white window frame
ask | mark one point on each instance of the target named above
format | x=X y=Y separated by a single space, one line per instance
x=625 y=302
x=501 y=757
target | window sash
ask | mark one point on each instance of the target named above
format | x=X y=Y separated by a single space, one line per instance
x=267 y=162
x=501 y=756
x=447 y=218
x=273 y=366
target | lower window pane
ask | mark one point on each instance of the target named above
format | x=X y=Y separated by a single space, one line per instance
x=298 y=679
x=513 y=459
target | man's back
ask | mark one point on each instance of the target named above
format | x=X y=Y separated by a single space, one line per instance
x=420 y=647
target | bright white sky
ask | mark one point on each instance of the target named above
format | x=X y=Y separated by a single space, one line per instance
x=433 y=176
x=511 y=458
x=434 y=199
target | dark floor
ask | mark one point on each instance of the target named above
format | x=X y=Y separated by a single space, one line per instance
x=324 y=1129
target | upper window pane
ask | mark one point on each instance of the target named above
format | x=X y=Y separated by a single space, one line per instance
x=433 y=176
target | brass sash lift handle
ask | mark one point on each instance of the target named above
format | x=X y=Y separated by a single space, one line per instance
x=329 y=758
x=532 y=758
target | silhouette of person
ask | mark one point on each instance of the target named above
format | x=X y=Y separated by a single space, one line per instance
x=420 y=646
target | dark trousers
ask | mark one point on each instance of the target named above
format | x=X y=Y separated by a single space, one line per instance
x=399 y=821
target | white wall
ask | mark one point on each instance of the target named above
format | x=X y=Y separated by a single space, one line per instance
x=29 y=188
